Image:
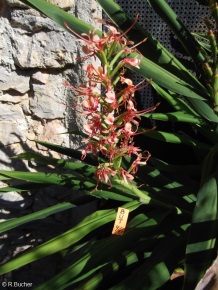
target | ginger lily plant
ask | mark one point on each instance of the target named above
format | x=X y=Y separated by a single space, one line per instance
x=112 y=119
x=173 y=207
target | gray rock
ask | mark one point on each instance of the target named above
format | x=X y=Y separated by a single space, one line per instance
x=63 y=4
x=10 y=98
x=210 y=279
x=43 y=50
x=6 y=49
x=13 y=81
x=47 y=101
x=11 y=113
x=16 y=3
x=13 y=200
x=88 y=11
x=32 y=21
x=40 y=77
x=12 y=132
x=13 y=126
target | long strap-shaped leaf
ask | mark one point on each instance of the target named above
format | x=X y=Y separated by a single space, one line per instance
x=201 y=250
x=184 y=35
x=177 y=138
x=175 y=117
x=68 y=152
x=210 y=163
x=88 y=262
x=66 y=239
x=174 y=100
x=157 y=269
x=160 y=65
x=151 y=48
x=69 y=180
x=15 y=222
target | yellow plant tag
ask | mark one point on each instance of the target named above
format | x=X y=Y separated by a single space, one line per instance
x=121 y=221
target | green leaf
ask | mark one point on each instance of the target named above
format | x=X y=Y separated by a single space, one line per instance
x=69 y=180
x=160 y=65
x=201 y=247
x=63 y=241
x=40 y=177
x=174 y=100
x=210 y=164
x=15 y=222
x=171 y=192
x=117 y=247
x=151 y=48
x=210 y=134
x=183 y=34
x=172 y=83
x=175 y=117
x=114 y=268
x=63 y=163
x=146 y=197
x=176 y=138
x=24 y=187
x=166 y=79
x=68 y=152
x=193 y=170
x=158 y=267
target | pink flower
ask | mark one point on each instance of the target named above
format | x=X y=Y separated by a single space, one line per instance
x=130 y=106
x=140 y=160
x=89 y=69
x=88 y=128
x=83 y=90
x=131 y=114
x=126 y=176
x=90 y=147
x=128 y=128
x=127 y=81
x=103 y=173
x=93 y=126
x=91 y=104
x=102 y=73
x=111 y=139
x=132 y=149
x=98 y=75
x=111 y=97
x=115 y=36
x=132 y=61
x=93 y=43
x=109 y=120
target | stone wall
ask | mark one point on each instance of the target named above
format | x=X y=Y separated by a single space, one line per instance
x=36 y=57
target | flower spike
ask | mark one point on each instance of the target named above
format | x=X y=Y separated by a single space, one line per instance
x=110 y=113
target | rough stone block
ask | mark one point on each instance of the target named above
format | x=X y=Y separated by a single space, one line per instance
x=16 y=3
x=13 y=81
x=32 y=21
x=10 y=133
x=47 y=100
x=6 y=49
x=43 y=50
x=63 y=4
